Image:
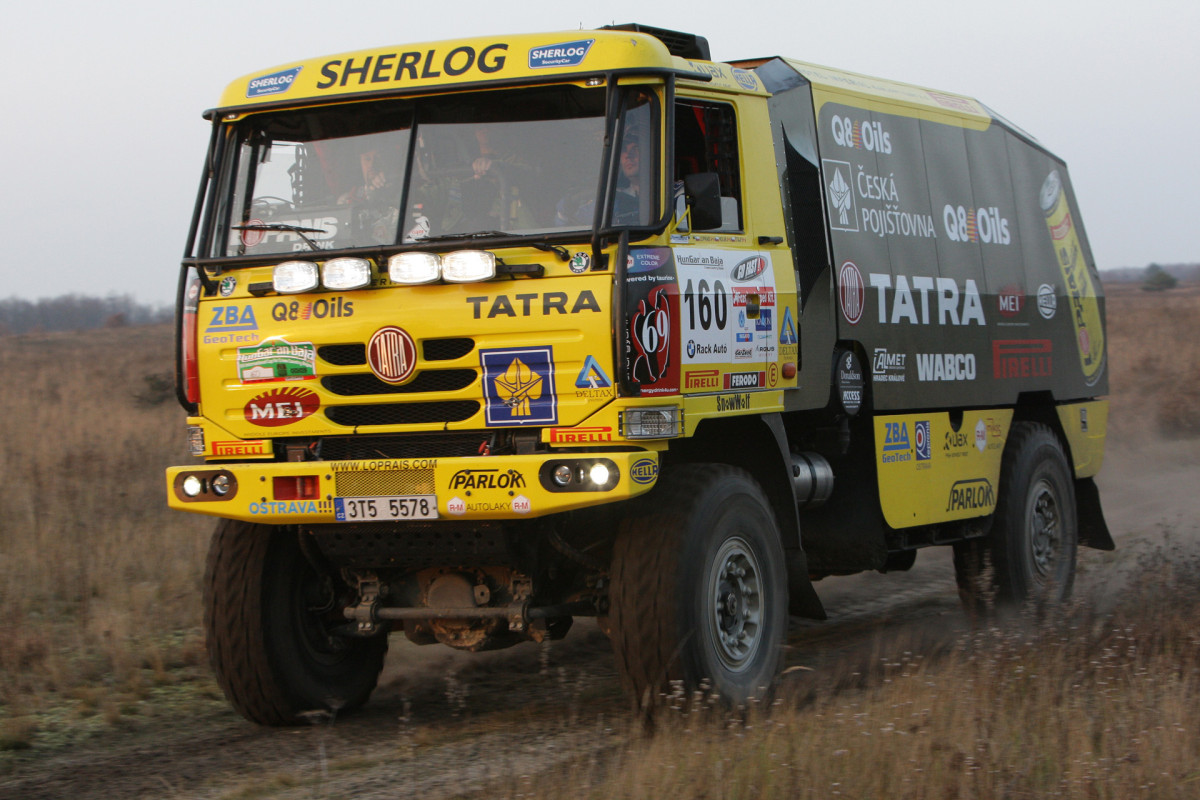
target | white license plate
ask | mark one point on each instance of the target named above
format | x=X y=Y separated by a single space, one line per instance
x=369 y=509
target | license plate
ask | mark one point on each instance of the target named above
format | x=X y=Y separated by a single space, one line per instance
x=370 y=509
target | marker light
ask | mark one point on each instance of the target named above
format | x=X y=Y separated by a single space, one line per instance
x=346 y=273
x=293 y=277
x=467 y=266
x=414 y=268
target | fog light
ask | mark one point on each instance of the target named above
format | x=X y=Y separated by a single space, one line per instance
x=562 y=475
x=192 y=486
x=599 y=474
x=662 y=422
x=220 y=485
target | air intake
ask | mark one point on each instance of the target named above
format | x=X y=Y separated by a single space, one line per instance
x=684 y=45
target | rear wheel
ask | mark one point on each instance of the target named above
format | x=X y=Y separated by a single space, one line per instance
x=1030 y=553
x=270 y=619
x=699 y=587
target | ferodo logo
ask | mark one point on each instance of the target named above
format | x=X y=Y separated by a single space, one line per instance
x=281 y=407
x=487 y=479
x=971 y=495
x=975 y=225
x=861 y=135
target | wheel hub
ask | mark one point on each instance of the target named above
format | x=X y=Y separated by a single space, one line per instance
x=1045 y=530
x=737 y=604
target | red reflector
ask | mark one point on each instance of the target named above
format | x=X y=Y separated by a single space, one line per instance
x=297 y=487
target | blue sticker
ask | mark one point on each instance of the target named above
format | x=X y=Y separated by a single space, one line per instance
x=643 y=471
x=745 y=78
x=518 y=386
x=592 y=376
x=275 y=83
x=232 y=318
x=787 y=331
x=921 y=434
x=567 y=54
x=763 y=323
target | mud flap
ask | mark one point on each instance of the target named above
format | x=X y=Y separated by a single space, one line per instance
x=802 y=597
x=1093 y=530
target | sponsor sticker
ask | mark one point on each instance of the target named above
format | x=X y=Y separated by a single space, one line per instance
x=519 y=386
x=228 y=285
x=565 y=54
x=921 y=439
x=277 y=359
x=852 y=292
x=643 y=471
x=975 y=494
x=275 y=83
x=592 y=376
x=1047 y=301
x=279 y=407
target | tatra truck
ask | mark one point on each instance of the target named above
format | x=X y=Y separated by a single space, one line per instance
x=476 y=337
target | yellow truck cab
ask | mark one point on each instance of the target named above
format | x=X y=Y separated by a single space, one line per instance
x=479 y=336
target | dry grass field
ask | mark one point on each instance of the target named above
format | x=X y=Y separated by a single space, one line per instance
x=100 y=628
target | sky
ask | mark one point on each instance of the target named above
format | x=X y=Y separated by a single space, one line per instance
x=102 y=150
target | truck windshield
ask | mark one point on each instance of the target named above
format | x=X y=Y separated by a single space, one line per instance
x=519 y=162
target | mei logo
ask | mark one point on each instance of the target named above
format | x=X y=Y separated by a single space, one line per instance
x=275 y=83
x=567 y=54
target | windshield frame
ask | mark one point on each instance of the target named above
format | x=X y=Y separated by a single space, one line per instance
x=227 y=158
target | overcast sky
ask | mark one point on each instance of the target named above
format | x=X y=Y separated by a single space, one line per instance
x=103 y=142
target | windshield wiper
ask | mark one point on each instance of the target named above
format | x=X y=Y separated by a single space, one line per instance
x=280 y=226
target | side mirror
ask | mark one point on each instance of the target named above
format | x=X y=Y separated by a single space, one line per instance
x=703 y=193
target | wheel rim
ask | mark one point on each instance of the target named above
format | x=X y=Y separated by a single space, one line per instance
x=736 y=604
x=1044 y=521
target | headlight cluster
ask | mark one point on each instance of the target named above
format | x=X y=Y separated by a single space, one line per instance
x=461 y=266
x=344 y=274
x=579 y=475
x=341 y=274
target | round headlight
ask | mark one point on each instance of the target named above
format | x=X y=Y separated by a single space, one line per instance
x=562 y=475
x=599 y=474
x=292 y=277
x=192 y=486
x=220 y=485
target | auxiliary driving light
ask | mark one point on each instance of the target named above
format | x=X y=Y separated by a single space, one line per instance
x=599 y=474
x=562 y=475
x=293 y=277
x=220 y=485
x=343 y=274
x=414 y=268
x=192 y=486
x=468 y=266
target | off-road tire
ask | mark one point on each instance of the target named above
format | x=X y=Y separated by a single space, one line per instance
x=272 y=649
x=1029 y=554
x=679 y=610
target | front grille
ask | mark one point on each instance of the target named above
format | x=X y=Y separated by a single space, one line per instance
x=441 y=380
x=402 y=413
x=353 y=355
x=410 y=445
x=384 y=483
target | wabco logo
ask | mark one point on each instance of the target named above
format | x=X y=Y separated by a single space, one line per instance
x=861 y=135
x=567 y=54
x=971 y=495
x=487 y=479
x=275 y=83
x=975 y=225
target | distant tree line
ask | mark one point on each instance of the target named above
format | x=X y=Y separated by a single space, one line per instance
x=1156 y=274
x=74 y=312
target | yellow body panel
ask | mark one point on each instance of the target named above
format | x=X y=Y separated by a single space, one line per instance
x=932 y=471
x=1085 y=426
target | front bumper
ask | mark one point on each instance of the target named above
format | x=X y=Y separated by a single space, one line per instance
x=484 y=487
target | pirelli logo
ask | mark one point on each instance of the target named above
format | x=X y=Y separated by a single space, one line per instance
x=702 y=379
x=252 y=447
x=580 y=435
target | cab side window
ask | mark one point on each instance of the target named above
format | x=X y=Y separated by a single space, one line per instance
x=706 y=142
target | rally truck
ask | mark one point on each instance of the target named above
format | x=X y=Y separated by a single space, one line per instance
x=480 y=336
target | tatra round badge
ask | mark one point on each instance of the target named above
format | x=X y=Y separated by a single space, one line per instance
x=392 y=354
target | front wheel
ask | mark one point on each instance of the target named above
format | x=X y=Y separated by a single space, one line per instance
x=1030 y=553
x=271 y=623
x=699 y=588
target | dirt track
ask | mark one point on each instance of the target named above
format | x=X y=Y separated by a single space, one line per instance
x=443 y=722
